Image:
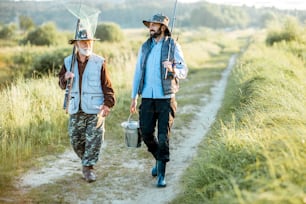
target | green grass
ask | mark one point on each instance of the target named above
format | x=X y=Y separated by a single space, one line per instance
x=255 y=151
x=34 y=124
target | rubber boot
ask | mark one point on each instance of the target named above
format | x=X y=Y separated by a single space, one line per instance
x=161 y=170
x=154 y=170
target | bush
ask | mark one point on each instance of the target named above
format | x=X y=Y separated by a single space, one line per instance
x=23 y=62
x=110 y=32
x=50 y=62
x=290 y=31
x=31 y=63
x=7 y=31
x=26 y=23
x=43 y=35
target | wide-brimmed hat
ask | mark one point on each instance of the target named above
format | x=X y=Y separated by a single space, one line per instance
x=83 y=34
x=158 y=18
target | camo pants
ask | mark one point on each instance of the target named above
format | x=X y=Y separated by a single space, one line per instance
x=85 y=138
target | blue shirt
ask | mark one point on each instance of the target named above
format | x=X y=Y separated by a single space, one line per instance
x=152 y=79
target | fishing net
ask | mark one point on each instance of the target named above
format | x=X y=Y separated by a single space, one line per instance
x=88 y=15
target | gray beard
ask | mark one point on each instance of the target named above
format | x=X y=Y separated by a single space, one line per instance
x=85 y=52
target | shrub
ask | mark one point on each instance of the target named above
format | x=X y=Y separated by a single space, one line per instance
x=110 y=32
x=31 y=63
x=43 y=35
x=50 y=62
x=26 y=23
x=290 y=31
x=23 y=62
x=7 y=31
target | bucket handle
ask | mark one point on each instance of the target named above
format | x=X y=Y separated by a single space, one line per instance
x=130 y=117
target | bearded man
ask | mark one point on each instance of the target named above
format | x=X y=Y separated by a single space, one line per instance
x=159 y=67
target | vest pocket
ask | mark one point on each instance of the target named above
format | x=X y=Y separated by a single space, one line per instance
x=94 y=102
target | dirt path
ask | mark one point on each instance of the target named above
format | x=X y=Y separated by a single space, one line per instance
x=122 y=176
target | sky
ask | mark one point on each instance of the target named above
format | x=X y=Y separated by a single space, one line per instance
x=280 y=4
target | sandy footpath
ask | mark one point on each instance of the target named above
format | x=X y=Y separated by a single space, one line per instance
x=127 y=179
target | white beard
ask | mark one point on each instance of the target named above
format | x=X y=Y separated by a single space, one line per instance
x=86 y=52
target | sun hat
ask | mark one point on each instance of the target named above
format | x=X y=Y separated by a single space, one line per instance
x=83 y=34
x=158 y=18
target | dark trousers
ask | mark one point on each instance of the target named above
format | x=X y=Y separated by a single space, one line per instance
x=158 y=113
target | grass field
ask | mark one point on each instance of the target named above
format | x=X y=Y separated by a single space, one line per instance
x=33 y=123
x=255 y=151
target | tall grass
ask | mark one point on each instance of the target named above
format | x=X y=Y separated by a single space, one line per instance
x=39 y=126
x=33 y=122
x=256 y=151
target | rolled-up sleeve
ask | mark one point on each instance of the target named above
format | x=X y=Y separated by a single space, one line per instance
x=181 y=69
x=137 y=76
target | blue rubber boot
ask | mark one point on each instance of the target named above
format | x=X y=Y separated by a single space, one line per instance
x=154 y=170
x=161 y=170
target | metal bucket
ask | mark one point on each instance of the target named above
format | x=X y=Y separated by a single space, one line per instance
x=131 y=133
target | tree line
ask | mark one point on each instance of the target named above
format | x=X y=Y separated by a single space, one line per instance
x=130 y=13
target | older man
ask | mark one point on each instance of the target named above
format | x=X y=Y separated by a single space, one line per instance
x=159 y=67
x=92 y=96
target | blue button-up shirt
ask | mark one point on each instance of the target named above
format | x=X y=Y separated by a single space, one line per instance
x=153 y=80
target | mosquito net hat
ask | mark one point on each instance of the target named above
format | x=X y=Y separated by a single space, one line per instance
x=88 y=20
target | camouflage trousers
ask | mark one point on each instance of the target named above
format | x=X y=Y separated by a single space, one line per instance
x=85 y=138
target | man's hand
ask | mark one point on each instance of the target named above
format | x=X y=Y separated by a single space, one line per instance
x=169 y=69
x=68 y=75
x=104 y=110
x=133 y=106
x=169 y=66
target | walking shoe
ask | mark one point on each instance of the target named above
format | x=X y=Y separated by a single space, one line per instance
x=89 y=174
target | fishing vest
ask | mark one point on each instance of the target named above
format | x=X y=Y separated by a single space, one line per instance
x=169 y=85
x=91 y=96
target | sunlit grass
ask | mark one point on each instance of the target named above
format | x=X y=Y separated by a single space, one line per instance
x=34 y=123
x=255 y=152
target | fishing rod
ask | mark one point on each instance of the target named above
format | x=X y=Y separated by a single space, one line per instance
x=171 y=29
x=70 y=80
